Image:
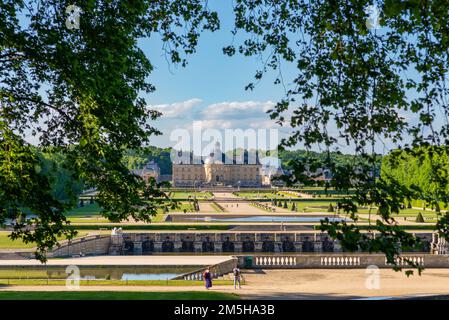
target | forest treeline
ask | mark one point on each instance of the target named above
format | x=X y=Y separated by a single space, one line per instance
x=423 y=170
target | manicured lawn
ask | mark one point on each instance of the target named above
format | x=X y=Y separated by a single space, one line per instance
x=105 y=295
x=421 y=203
x=96 y=227
x=61 y=282
x=183 y=206
x=87 y=210
x=90 y=213
x=185 y=195
x=7 y=243
x=99 y=219
x=405 y=227
x=310 y=206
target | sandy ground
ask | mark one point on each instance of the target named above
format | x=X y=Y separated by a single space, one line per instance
x=342 y=284
x=305 y=284
x=206 y=207
x=226 y=195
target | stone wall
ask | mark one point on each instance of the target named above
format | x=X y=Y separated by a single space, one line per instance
x=206 y=242
x=90 y=245
x=218 y=270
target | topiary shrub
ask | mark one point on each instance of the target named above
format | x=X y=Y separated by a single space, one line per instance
x=419 y=217
x=330 y=208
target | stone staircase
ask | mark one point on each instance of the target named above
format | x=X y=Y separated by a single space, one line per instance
x=222 y=270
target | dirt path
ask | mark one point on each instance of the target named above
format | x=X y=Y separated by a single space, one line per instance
x=206 y=208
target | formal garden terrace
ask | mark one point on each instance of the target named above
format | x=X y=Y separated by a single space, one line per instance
x=258 y=202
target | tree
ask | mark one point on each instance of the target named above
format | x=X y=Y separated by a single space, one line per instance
x=86 y=84
x=346 y=74
x=353 y=75
x=330 y=208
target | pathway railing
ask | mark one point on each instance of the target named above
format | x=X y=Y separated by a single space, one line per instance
x=340 y=261
x=337 y=261
x=261 y=261
x=217 y=270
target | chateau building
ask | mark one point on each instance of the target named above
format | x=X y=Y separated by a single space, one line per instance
x=151 y=170
x=218 y=169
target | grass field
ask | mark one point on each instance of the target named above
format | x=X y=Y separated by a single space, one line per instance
x=90 y=213
x=137 y=227
x=186 y=195
x=7 y=243
x=62 y=282
x=267 y=195
x=106 y=295
x=88 y=210
x=309 y=206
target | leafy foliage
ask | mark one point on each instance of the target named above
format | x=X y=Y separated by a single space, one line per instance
x=353 y=86
x=79 y=91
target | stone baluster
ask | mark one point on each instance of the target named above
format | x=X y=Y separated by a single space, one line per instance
x=238 y=246
x=198 y=245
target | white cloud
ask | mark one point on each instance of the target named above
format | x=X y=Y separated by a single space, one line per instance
x=264 y=124
x=216 y=124
x=177 y=109
x=237 y=110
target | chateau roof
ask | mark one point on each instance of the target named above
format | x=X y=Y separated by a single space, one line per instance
x=219 y=157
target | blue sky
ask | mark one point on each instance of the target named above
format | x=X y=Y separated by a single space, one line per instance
x=211 y=88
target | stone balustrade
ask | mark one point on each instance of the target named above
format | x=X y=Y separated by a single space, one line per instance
x=336 y=261
x=408 y=260
x=278 y=261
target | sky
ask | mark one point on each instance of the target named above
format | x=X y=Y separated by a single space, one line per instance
x=211 y=89
x=210 y=92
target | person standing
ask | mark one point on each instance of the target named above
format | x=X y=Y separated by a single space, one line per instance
x=237 y=277
x=207 y=278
